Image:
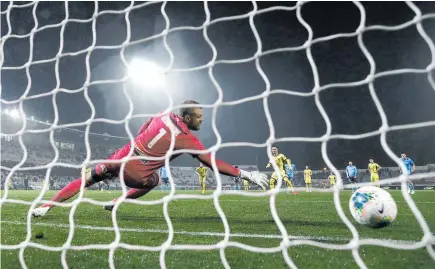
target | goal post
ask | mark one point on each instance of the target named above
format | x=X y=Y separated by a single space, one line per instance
x=27 y=22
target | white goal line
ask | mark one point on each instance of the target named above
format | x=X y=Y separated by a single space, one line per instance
x=210 y=234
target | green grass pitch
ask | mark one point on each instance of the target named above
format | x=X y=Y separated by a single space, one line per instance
x=196 y=222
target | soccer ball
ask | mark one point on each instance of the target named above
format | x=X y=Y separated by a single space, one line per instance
x=373 y=207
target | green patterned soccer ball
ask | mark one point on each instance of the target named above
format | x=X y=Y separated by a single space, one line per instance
x=373 y=207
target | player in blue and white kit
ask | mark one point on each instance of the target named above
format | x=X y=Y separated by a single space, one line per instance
x=290 y=172
x=165 y=179
x=410 y=167
x=351 y=173
x=237 y=182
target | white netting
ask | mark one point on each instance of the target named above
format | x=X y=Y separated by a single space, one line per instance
x=286 y=240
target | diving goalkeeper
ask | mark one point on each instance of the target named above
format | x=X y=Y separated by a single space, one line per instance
x=153 y=140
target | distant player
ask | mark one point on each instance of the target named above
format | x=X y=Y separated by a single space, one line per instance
x=44 y=182
x=332 y=180
x=202 y=174
x=165 y=178
x=280 y=161
x=374 y=169
x=237 y=182
x=246 y=184
x=153 y=140
x=290 y=171
x=410 y=168
x=307 y=177
x=352 y=173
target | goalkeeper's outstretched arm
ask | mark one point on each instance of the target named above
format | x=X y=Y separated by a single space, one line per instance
x=192 y=142
x=228 y=170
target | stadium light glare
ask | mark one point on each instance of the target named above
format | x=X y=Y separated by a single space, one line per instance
x=145 y=73
x=6 y=111
x=32 y=118
x=14 y=114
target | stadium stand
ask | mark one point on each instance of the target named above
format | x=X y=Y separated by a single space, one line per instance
x=72 y=150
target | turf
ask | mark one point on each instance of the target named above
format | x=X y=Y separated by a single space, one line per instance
x=196 y=222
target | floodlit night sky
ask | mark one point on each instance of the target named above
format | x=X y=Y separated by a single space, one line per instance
x=406 y=98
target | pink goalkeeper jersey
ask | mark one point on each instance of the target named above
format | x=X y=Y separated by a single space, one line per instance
x=154 y=140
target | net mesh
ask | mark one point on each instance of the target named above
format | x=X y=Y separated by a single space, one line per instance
x=287 y=241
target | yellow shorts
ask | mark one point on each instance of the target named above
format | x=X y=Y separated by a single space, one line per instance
x=374 y=177
x=308 y=181
x=202 y=180
x=283 y=176
x=282 y=173
x=332 y=182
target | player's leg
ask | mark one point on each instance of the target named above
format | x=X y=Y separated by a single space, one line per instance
x=131 y=194
x=411 y=186
x=377 y=181
x=289 y=185
x=290 y=179
x=272 y=183
x=353 y=181
x=92 y=176
x=149 y=183
x=165 y=183
x=373 y=178
x=204 y=185
x=200 y=184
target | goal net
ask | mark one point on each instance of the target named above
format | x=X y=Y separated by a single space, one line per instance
x=94 y=71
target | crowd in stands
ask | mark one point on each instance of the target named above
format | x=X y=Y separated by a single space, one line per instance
x=43 y=154
x=184 y=177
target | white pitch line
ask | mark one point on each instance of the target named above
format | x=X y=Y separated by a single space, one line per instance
x=309 y=201
x=211 y=234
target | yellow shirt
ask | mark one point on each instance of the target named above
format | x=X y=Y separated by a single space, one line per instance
x=202 y=171
x=373 y=168
x=280 y=161
x=307 y=173
x=331 y=178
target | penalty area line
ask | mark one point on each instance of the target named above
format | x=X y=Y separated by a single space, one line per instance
x=211 y=234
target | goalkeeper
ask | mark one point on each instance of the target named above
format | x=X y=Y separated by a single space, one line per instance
x=153 y=140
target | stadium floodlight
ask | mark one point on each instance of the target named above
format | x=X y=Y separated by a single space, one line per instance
x=146 y=73
x=14 y=114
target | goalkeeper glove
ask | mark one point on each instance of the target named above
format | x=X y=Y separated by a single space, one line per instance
x=255 y=177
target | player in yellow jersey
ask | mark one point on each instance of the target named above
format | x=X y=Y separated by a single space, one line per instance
x=374 y=172
x=332 y=179
x=307 y=176
x=44 y=182
x=246 y=185
x=280 y=161
x=202 y=173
